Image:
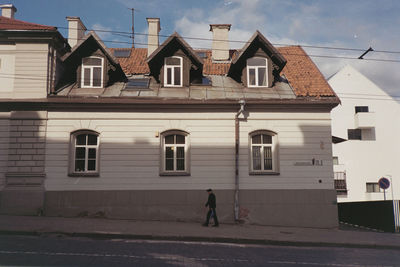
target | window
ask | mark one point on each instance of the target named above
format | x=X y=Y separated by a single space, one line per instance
x=263 y=152
x=373 y=188
x=257 y=72
x=84 y=153
x=354 y=134
x=361 y=109
x=175 y=153
x=173 y=72
x=335 y=161
x=92 y=72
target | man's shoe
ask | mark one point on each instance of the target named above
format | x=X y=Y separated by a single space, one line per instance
x=205 y=225
x=215 y=225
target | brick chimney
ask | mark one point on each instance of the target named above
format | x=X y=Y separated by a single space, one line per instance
x=152 y=37
x=220 y=44
x=76 y=30
x=8 y=10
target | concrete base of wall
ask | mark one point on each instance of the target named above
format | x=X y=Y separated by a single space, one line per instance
x=22 y=201
x=301 y=208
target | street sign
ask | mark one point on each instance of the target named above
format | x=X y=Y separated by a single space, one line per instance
x=384 y=183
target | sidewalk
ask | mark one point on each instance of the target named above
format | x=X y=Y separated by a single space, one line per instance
x=249 y=234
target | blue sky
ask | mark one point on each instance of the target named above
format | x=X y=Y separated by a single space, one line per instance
x=338 y=23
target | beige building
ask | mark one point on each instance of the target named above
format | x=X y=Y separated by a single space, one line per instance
x=132 y=133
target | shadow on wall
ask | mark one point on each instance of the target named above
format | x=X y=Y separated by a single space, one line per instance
x=129 y=184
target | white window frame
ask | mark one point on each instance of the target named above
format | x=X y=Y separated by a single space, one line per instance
x=172 y=67
x=274 y=150
x=83 y=67
x=73 y=146
x=175 y=172
x=256 y=73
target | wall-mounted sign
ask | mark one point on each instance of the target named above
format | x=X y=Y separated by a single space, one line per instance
x=312 y=162
x=384 y=183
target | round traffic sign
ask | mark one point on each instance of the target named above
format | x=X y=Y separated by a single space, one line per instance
x=384 y=183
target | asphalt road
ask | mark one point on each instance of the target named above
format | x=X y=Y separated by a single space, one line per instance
x=66 y=251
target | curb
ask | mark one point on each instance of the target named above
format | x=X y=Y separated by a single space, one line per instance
x=265 y=242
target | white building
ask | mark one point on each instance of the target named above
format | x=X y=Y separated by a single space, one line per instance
x=368 y=118
x=142 y=132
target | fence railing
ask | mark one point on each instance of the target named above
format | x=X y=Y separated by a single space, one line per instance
x=340 y=183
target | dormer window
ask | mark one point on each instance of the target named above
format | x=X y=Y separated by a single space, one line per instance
x=173 y=72
x=257 y=72
x=92 y=72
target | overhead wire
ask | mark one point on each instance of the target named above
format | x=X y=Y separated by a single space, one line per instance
x=129 y=35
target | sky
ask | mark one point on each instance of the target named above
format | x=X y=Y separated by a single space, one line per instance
x=354 y=24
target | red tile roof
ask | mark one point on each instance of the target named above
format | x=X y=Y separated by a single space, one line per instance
x=135 y=63
x=301 y=72
x=14 y=24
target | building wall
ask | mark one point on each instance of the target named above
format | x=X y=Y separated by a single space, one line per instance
x=129 y=184
x=366 y=161
x=25 y=71
x=130 y=150
x=7 y=69
x=4 y=144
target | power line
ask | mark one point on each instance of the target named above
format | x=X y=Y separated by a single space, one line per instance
x=129 y=35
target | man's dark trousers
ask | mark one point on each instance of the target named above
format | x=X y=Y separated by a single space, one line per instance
x=212 y=213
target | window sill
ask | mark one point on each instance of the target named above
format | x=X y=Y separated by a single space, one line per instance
x=264 y=173
x=174 y=174
x=96 y=174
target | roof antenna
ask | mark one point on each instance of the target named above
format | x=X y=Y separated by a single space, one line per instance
x=369 y=50
x=133 y=26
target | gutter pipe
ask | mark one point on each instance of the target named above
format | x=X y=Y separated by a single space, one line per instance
x=236 y=200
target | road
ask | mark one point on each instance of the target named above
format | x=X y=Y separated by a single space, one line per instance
x=66 y=251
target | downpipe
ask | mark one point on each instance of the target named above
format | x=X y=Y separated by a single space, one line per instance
x=236 y=200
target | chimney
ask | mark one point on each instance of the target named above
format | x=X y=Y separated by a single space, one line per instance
x=152 y=37
x=8 y=10
x=220 y=44
x=76 y=30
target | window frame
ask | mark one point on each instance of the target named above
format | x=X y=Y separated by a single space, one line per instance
x=375 y=185
x=274 y=150
x=354 y=134
x=72 y=154
x=91 y=67
x=163 y=145
x=256 y=73
x=172 y=67
x=361 y=109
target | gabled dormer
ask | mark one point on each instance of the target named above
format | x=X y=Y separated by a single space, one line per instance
x=259 y=63
x=174 y=63
x=90 y=64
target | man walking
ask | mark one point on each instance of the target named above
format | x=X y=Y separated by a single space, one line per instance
x=211 y=203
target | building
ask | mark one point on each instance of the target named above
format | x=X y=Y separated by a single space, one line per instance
x=141 y=133
x=367 y=118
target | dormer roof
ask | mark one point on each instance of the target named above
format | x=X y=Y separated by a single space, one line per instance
x=261 y=42
x=92 y=35
x=169 y=42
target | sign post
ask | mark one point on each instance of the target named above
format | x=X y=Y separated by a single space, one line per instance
x=384 y=183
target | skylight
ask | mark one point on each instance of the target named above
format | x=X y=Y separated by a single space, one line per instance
x=138 y=83
x=122 y=53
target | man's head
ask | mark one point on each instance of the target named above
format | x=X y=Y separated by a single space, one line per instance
x=209 y=191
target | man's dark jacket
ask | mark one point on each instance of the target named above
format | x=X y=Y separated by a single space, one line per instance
x=211 y=203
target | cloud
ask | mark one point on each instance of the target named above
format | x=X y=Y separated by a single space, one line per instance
x=102 y=31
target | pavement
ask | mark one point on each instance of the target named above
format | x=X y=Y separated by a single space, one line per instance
x=186 y=231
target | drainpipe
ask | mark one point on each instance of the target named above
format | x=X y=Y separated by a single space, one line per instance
x=236 y=203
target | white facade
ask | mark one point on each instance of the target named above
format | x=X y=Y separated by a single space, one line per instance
x=377 y=154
